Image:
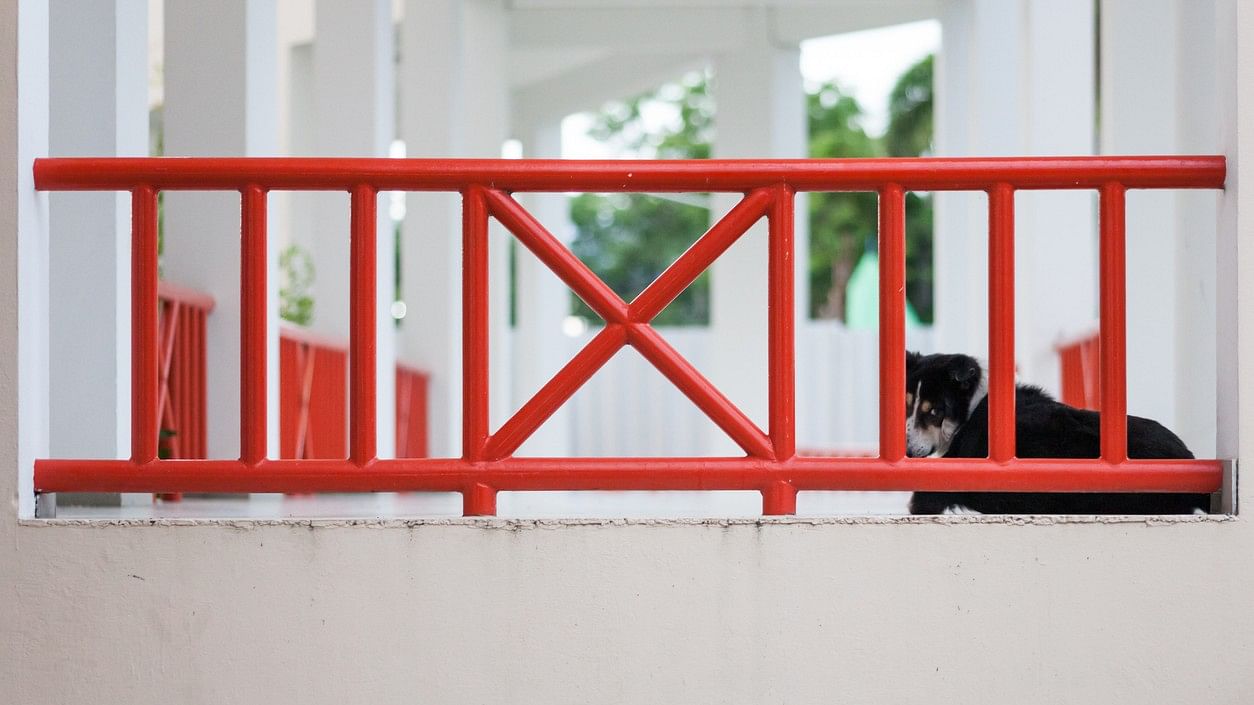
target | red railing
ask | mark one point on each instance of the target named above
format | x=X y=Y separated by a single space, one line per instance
x=313 y=399
x=313 y=395
x=181 y=399
x=770 y=465
x=412 y=386
x=1079 y=362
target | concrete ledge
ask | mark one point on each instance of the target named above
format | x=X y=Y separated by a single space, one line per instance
x=532 y=524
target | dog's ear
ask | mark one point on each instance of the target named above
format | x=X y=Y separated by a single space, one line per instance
x=912 y=360
x=965 y=371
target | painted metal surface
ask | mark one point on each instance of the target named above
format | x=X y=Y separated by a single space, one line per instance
x=770 y=465
x=1079 y=360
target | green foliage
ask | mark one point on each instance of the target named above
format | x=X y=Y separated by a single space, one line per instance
x=297 y=276
x=621 y=122
x=840 y=223
x=909 y=131
x=843 y=225
x=629 y=239
x=909 y=134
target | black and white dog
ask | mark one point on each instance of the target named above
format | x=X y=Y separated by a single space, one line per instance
x=947 y=416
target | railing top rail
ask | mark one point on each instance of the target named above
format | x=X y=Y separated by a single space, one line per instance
x=721 y=175
x=185 y=295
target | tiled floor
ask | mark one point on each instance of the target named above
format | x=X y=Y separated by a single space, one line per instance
x=509 y=504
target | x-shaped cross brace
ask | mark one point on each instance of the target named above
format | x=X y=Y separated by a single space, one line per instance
x=626 y=324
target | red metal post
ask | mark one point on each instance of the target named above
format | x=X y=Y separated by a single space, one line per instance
x=892 y=255
x=252 y=349
x=1001 y=323
x=145 y=357
x=782 y=338
x=474 y=324
x=1113 y=245
x=478 y=500
x=781 y=497
x=362 y=344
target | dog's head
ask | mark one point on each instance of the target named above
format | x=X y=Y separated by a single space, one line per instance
x=941 y=393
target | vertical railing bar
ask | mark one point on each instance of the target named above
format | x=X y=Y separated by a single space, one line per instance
x=362 y=323
x=782 y=312
x=1001 y=322
x=202 y=382
x=892 y=260
x=252 y=350
x=781 y=497
x=474 y=324
x=145 y=356
x=1113 y=245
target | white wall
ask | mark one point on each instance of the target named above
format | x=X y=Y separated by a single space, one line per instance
x=489 y=612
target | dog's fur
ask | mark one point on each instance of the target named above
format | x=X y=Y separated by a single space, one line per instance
x=947 y=416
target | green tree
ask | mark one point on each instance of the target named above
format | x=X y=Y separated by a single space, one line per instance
x=909 y=134
x=629 y=239
x=841 y=224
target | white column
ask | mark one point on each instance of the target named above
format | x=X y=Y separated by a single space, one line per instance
x=23 y=251
x=540 y=346
x=959 y=260
x=1140 y=57
x=1234 y=361
x=455 y=102
x=355 y=107
x=220 y=100
x=1196 y=254
x=99 y=107
x=1016 y=79
x=761 y=114
x=1056 y=235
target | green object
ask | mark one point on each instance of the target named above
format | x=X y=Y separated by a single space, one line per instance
x=862 y=297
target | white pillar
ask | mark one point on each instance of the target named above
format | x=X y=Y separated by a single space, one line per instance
x=1015 y=78
x=99 y=107
x=1196 y=252
x=761 y=114
x=455 y=102
x=959 y=261
x=1056 y=236
x=1159 y=97
x=1139 y=94
x=354 y=115
x=220 y=100
x=23 y=251
x=543 y=303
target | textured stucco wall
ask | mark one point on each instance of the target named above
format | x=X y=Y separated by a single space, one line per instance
x=523 y=612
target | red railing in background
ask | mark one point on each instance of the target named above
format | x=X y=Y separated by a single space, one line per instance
x=313 y=395
x=313 y=399
x=411 y=412
x=1080 y=365
x=181 y=333
x=181 y=399
x=313 y=388
x=770 y=465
